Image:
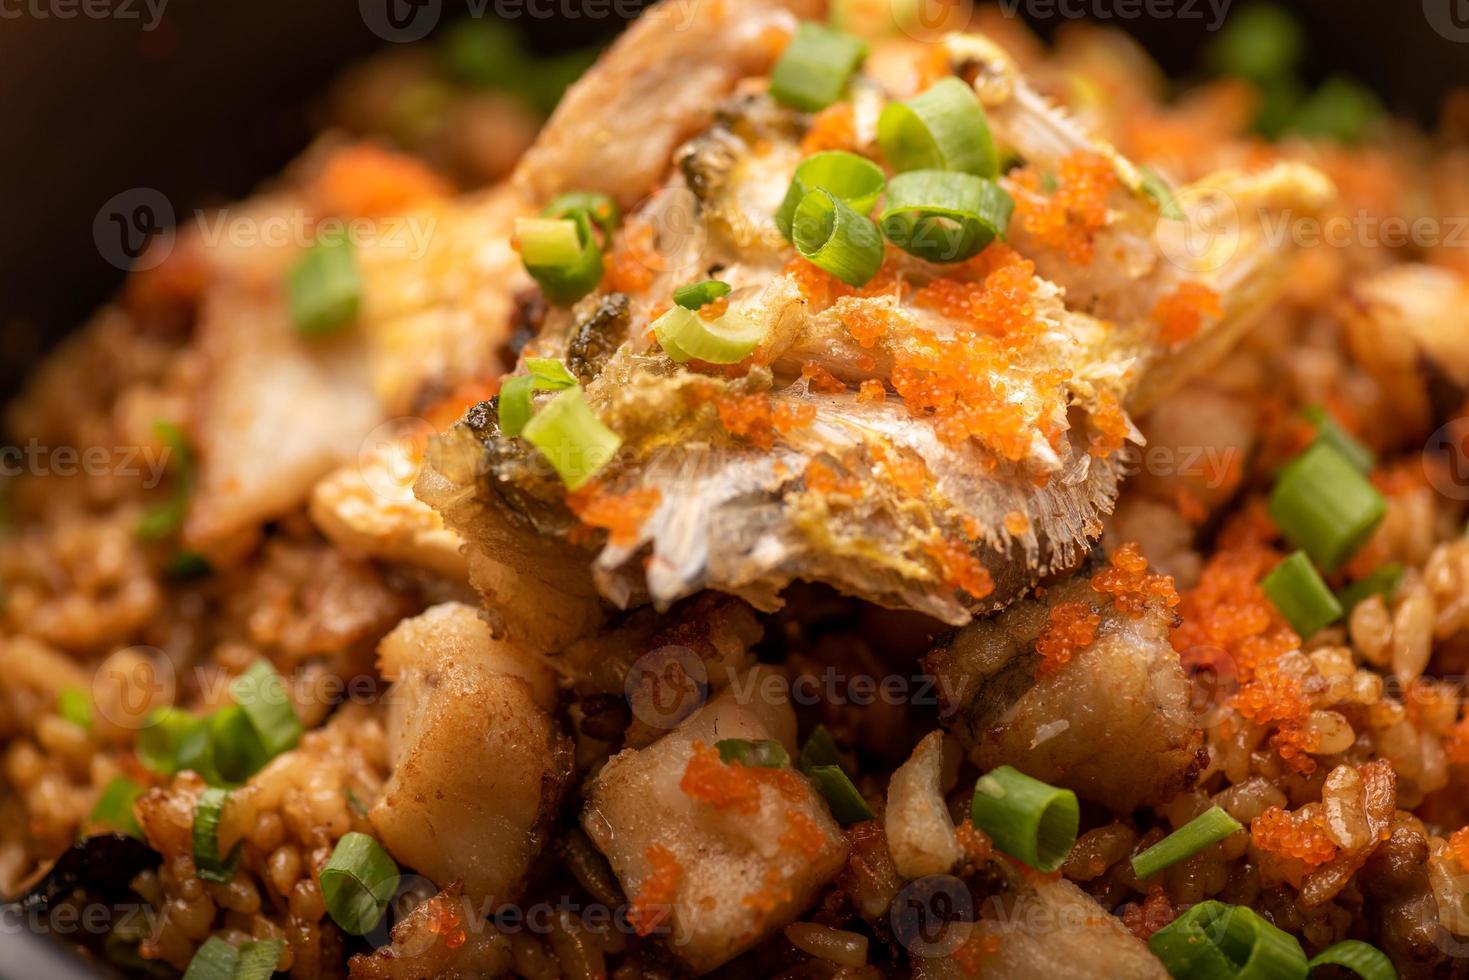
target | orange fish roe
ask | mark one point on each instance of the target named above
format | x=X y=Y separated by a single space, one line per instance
x=833 y=128
x=445 y=921
x=1017 y=523
x=802 y=835
x=975 y=950
x=368 y=181
x=1456 y=747
x=960 y=569
x=1181 y=314
x=1111 y=424
x=821 y=289
x=868 y=324
x=1294 y=742
x=1459 y=846
x=775 y=893
x=760 y=419
x=975 y=843
x=1070 y=627
x=714 y=309
x=1130 y=584
x=824 y=480
x=1069 y=217
x=653 y=903
x=1155 y=912
x=1000 y=303
x=821 y=379
x=1278 y=833
x=634 y=261
x=901 y=467
x=621 y=515
x=727 y=787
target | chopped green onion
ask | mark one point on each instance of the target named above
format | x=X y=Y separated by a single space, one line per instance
x=1029 y=820
x=1262 y=42
x=1214 y=940
x=944 y=217
x=1341 y=109
x=545 y=374
x=357 y=883
x=324 y=287
x=160 y=740
x=832 y=236
x=1157 y=188
x=1363 y=959
x=1329 y=432
x=855 y=180
x=166 y=519
x=1324 y=504
x=1301 y=596
x=266 y=701
x=820 y=750
x=208 y=864
x=1382 y=580
x=728 y=339
x=484 y=52
x=1207 y=828
x=258 y=959
x=561 y=254
x=233 y=751
x=943 y=128
x=215 y=960
x=816 y=66
x=187 y=565
x=696 y=296
x=572 y=438
x=114 y=808
x=75 y=705
x=598 y=206
x=762 y=754
x=847 y=805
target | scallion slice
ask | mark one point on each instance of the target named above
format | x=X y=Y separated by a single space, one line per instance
x=324 y=287
x=263 y=695
x=258 y=959
x=943 y=128
x=214 y=960
x=855 y=180
x=561 y=254
x=1341 y=109
x=232 y=750
x=1323 y=504
x=761 y=754
x=944 y=217
x=167 y=519
x=832 y=236
x=160 y=740
x=727 y=339
x=1382 y=580
x=114 y=808
x=75 y=705
x=1029 y=820
x=543 y=374
x=1157 y=188
x=1207 y=828
x=1363 y=959
x=816 y=66
x=1301 y=596
x=357 y=883
x=847 y=805
x=208 y=864
x=599 y=207
x=572 y=438
x=1214 y=940
x=698 y=295
x=820 y=750
x=1329 y=432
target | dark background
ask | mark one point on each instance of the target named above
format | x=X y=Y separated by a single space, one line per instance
x=221 y=95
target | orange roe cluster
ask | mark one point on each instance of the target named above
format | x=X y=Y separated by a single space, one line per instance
x=1068 y=218
x=1017 y=523
x=1181 y=314
x=1456 y=747
x=1070 y=627
x=821 y=289
x=821 y=379
x=1155 y=912
x=621 y=515
x=833 y=128
x=871 y=390
x=710 y=780
x=368 y=181
x=1459 y=846
x=1132 y=587
x=1111 y=424
x=1278 y=833
x=824 y=480
x=802 y=835
x=960 y=569
x=975 y=843
x=634 y=261
x=1001 y=302
x=653 y=903
x=445 y=921
x=760 y=419
x=901 y=467
x=775 y=893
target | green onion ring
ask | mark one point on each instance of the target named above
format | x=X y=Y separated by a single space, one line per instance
x=943 y=128
x=832 y=236
x=1027 y=819
x=944 y=217
x=855 y=180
